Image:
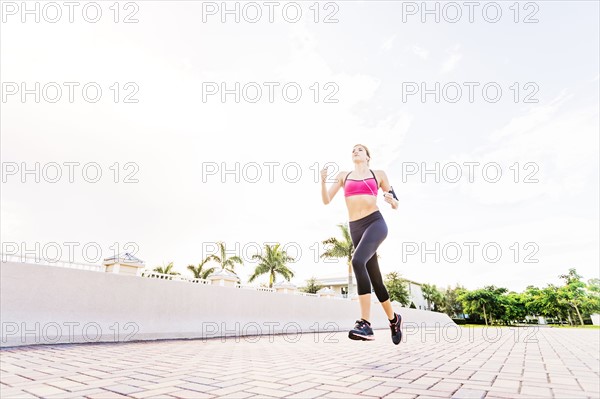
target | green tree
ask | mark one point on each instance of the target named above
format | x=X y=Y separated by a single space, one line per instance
x=397 y=289
x=477 y=301
x=438 y=299
x=226 y=263
x=592 y=303
x=166 y=269
x=496 y=310
x=427 y=291
x=514 y=307
x=573 y=292
x=432 y=295
x=532 y=299
x=341 y=248
x=272 y=262
x=551 y=304
x=312 y=286
x=594 y=285
x=544 y=302
x=451 y=305
x=199 y=271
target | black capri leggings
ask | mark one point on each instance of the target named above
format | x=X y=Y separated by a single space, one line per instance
x=367 y=234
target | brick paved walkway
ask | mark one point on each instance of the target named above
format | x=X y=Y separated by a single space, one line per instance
x=507 y=363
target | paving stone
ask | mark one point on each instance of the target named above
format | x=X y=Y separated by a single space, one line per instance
x=465 y=393
x=43 y=390
x=267 y=392
x=379 y=391
x=339 y=389
x=446 y=387
x=421 y=391
x=190 y=386
x=13 y=379
x=425 y=381
x=303 y=386
x=185 y=394
x=570 y=394
x=337 y=395
x=87 y=392
x=483 y=376
x=17 y=394
x=504 y=385
x=365 y=385
x=536 y=391
x=123 y=389
x=240 y=395
x=229 y=390
x=400 y=395
x=308 y=394
x=106 y=395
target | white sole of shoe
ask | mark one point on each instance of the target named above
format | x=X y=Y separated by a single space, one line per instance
x=358 y=337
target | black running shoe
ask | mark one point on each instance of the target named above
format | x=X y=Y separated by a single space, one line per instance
x=396 y=331
x=361 y=331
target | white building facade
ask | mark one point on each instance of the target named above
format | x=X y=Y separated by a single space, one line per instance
x=340 y=285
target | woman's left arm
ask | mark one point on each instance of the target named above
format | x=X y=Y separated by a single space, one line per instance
x=384 y=183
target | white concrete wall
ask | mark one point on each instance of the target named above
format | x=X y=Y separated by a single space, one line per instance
x=43 y=305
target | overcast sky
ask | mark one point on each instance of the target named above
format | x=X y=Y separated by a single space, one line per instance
x=366 y=68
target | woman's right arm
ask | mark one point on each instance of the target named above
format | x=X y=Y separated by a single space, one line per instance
x=327 y=195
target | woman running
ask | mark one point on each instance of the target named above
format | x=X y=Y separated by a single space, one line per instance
x=368 y=230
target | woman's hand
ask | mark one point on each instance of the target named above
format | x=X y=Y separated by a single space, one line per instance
x=328 y=194
x=389 y=198
x=324 y=173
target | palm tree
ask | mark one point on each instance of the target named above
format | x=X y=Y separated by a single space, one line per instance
x=166 y=269
x=343 y=248
x=225 y=262
x=429 y=291
x=199 y=271
x=452 y=306
x=439 y=300
x=274 y=262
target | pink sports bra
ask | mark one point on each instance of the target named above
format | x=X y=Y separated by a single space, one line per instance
x=361 y=187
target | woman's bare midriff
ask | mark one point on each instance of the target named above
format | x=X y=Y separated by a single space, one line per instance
x=360 y=206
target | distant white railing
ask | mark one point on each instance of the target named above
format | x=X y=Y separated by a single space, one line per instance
x=173 y=277
x=193 y=280
x=307 y=294
x=265 y=289
x=251 y=287
x=59 y=263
